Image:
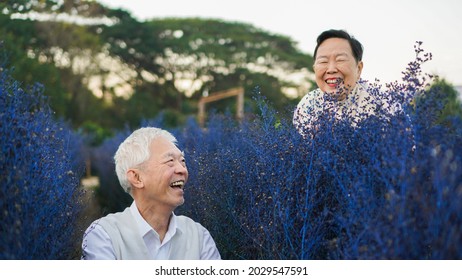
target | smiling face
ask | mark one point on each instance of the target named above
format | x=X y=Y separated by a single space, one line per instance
x=335 y=67
x=163 y=175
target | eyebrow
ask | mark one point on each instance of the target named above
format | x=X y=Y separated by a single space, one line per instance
x=337 y=55
x=171 y=154
x=342 y=54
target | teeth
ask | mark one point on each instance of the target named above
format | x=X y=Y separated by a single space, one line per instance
x=332 y=81
x=177 y=184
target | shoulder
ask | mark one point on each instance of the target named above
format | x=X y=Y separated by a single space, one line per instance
x=117 y=215
x=184 y=221
x=312 y=95
x=308 y=103
x=366 y=93
x=115 y=218
x=101 y=226
x=363 y=88
x=189 y=226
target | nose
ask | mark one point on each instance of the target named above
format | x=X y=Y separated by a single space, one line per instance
x=180 y=167
x=331 y=67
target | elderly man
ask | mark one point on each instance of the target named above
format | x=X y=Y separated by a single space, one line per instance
x=152 y=169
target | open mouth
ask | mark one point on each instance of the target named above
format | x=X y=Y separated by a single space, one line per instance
x=177 y=184
x=334 y=82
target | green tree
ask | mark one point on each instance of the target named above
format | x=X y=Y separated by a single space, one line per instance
x=441 y=104
x=449 y=95
x=448 y=102
x=189 y=56
x=47 y=52
x=117 y=70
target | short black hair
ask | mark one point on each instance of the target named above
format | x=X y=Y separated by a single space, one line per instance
x=355 y=45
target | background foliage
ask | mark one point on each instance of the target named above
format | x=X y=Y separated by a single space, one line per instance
x=40 y=170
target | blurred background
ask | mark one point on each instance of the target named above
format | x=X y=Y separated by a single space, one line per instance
x=387 y=29
x=112 y=63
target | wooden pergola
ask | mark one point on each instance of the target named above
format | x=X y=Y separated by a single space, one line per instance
x=238 y=92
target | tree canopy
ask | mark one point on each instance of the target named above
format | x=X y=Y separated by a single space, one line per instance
x=104 y=67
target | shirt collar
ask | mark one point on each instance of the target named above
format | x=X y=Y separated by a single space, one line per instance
x=143 y=226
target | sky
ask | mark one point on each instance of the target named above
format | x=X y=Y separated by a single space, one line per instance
x=387 y=29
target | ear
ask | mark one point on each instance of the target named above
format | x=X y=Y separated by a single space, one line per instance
x=133 y=176
x=360 y=68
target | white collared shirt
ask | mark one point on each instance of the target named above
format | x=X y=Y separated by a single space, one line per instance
x=97 y=244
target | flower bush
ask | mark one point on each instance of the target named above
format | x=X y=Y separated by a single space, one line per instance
x=386 y=186
x=39 y=178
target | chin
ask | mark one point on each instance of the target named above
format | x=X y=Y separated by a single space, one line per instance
x=180 y=203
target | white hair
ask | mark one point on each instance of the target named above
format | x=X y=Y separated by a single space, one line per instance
x=135 y=150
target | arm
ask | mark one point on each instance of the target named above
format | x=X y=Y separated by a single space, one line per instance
x=96 y=244
x=209 y=248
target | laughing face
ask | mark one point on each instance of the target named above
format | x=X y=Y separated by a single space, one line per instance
x=164 y=174
x=335 y=67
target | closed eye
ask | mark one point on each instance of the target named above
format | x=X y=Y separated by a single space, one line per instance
x=171 y=162
x=341 y=58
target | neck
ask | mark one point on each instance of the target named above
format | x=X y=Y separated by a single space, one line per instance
x=156 y=216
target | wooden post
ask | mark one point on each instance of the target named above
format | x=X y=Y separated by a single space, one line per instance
x=240 y=105
x=201 y=112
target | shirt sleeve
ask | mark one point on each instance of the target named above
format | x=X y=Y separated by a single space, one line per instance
x=96 y=244
x=209 y=248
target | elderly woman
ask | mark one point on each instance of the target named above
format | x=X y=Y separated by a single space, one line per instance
x=337 y=67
